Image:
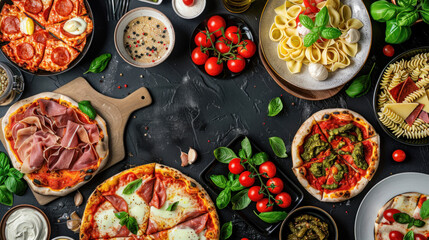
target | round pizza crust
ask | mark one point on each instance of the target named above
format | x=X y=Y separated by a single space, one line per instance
x=102 y=146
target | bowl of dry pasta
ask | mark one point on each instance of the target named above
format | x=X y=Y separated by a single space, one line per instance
x=401 y=97
x=315 y=44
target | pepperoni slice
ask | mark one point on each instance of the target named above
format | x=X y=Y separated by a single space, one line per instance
x=64 y=7
x=60 y=56
x=41 y=37
x=33 y=6
x=25 y=51
x=10 y=25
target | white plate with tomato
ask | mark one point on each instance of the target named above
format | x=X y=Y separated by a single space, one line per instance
x=381 y=193
x=222 y=46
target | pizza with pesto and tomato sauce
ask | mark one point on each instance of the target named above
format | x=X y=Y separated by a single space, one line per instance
x=151 y=201
x=335 y=154
x=56 y=145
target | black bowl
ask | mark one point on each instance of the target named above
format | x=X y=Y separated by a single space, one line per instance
x=313 y=211
x=405 y=55
x=230 y=20
x=73 y=63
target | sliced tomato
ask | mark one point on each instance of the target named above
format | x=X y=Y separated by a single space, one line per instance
x=312 y=5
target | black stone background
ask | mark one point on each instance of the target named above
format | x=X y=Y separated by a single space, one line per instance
x=192 y=109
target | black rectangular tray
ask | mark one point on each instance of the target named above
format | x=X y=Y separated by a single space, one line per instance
x=247 y=214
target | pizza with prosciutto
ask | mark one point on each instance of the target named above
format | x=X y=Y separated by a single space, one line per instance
x=401 y=215
x=56 y=146
x=151 y=201
x=58 y=56
x=335 y=154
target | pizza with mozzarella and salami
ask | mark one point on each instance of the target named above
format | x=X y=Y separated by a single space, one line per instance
x=66 y=9
x=37 y=9
x=25 y=52
x=56 y=145
x=58 y=56
x=161 y=202
x=335 y=154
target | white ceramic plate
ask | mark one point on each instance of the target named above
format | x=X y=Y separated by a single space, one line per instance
x=380 y=194
x=303 y=79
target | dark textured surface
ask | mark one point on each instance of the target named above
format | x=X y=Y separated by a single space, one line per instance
x=191 y=109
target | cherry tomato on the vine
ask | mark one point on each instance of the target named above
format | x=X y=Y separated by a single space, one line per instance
x=285 y=198
x=395 y=235
x=201 y=39
x=215 y=23
x=388 y=50
x=235 y=166
x=236 y=65
x=269 y=168
x=245 y=179
x=212 y=67
x=247 y=48
x=254 y=193
x=420 y=237
x=399 y=155
x=198 y=57
x=233 y=34
x=262 y=205
x=275 y=185
x=388 y=214
x=222 y=45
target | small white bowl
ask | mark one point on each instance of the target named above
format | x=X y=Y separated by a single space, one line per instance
x=62 y=237
x=128 y=17
x=174 y=3
x=151 y=2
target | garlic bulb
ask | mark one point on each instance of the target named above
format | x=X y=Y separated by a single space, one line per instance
x=318 y=71
x=352 y=36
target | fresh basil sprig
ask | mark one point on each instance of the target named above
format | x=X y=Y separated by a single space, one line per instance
x=128 y=221
x=424 y=210
x=99 y=63
x=404 y=218
x=240 y=200
x=246 y=147
x=132 y=186
x=86 y=107
x=360 y=86
x=11 y=181
x=275 y=107
x=172 y=207
x=226 y=231
x=272 y=217
x=278 y=147
x=228 y=185
x=224 y=154
x=318 y=27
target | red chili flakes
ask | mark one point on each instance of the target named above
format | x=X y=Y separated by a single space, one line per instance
x=119 y=87
x=208 y=140
x=137 y=45
x=126 y=85
x=128 y=37
x=153 y=60
x=166 y=48
x=263 y=123
x=138 y=41
x=165 y=28
x=150 y=55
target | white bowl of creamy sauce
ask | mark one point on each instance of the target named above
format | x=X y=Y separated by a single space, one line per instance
x=144 y=37
x=188 y=12
x=25 y=222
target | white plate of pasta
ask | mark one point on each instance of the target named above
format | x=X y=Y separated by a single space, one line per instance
x=338 y=59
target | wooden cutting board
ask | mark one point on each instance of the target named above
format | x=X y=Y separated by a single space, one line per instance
x=114 y=111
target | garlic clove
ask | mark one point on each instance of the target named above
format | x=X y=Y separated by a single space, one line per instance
x=73 y=225
x=184 y=159
x=192 y=155
x=78 y=199
x=74 y=216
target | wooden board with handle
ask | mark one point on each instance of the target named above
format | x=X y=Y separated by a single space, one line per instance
x=114 y=111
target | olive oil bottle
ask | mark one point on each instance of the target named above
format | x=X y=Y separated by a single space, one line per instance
x=237 y=6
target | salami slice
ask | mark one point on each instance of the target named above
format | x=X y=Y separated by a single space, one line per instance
x=41 y=37
x=64 y=7
x=60 y=56
x=10 y=25
x=33 y=6
x=25 y=51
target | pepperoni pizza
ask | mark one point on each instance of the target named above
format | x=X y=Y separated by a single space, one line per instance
x=151 y=201
x=52 y=42
x=335 y=154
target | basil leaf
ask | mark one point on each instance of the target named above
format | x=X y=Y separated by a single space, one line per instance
x=219 y=180
x=226 y=231
x=247 y=147
x=424 y=210
x=409 y=236
x=330 y=33
x=121 y=215
x=310 y=38
x=16 y=186
x=6 y=197
x=88 y=109
x=99 y=63
x=272 y=217
x=123 y=221
x=275 y=107
x=418 y=223
x=4 y=160
x=223 y=199
x=360 y=86
x=411 y=223
x=406 y=3
x=383 y=11
x=240 y=200
x=2 y=179
x=278 y=147
x=224 y=154
x=236 y=186
x=173 y=206
x=425 y=15
x=405 y=19
x=232 y=176
x=425 y=5
x=306 y=21
x=322 y=17
x=260 y=158
x=396 y=34
x=15 y=173
x=132 y=225
x=132 y=187
x=242 y=153
x=402 y=218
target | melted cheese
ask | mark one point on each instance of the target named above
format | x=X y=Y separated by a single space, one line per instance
x=425 y=101
x=137 y=207
x=185 y=234
x=402 y=109
x=107 y=222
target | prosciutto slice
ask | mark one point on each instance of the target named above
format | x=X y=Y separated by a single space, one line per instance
x=51 y=108
x=118 y=202
x=87 y=158
x=159 y=194
x=198 y=223
x=146 y=190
